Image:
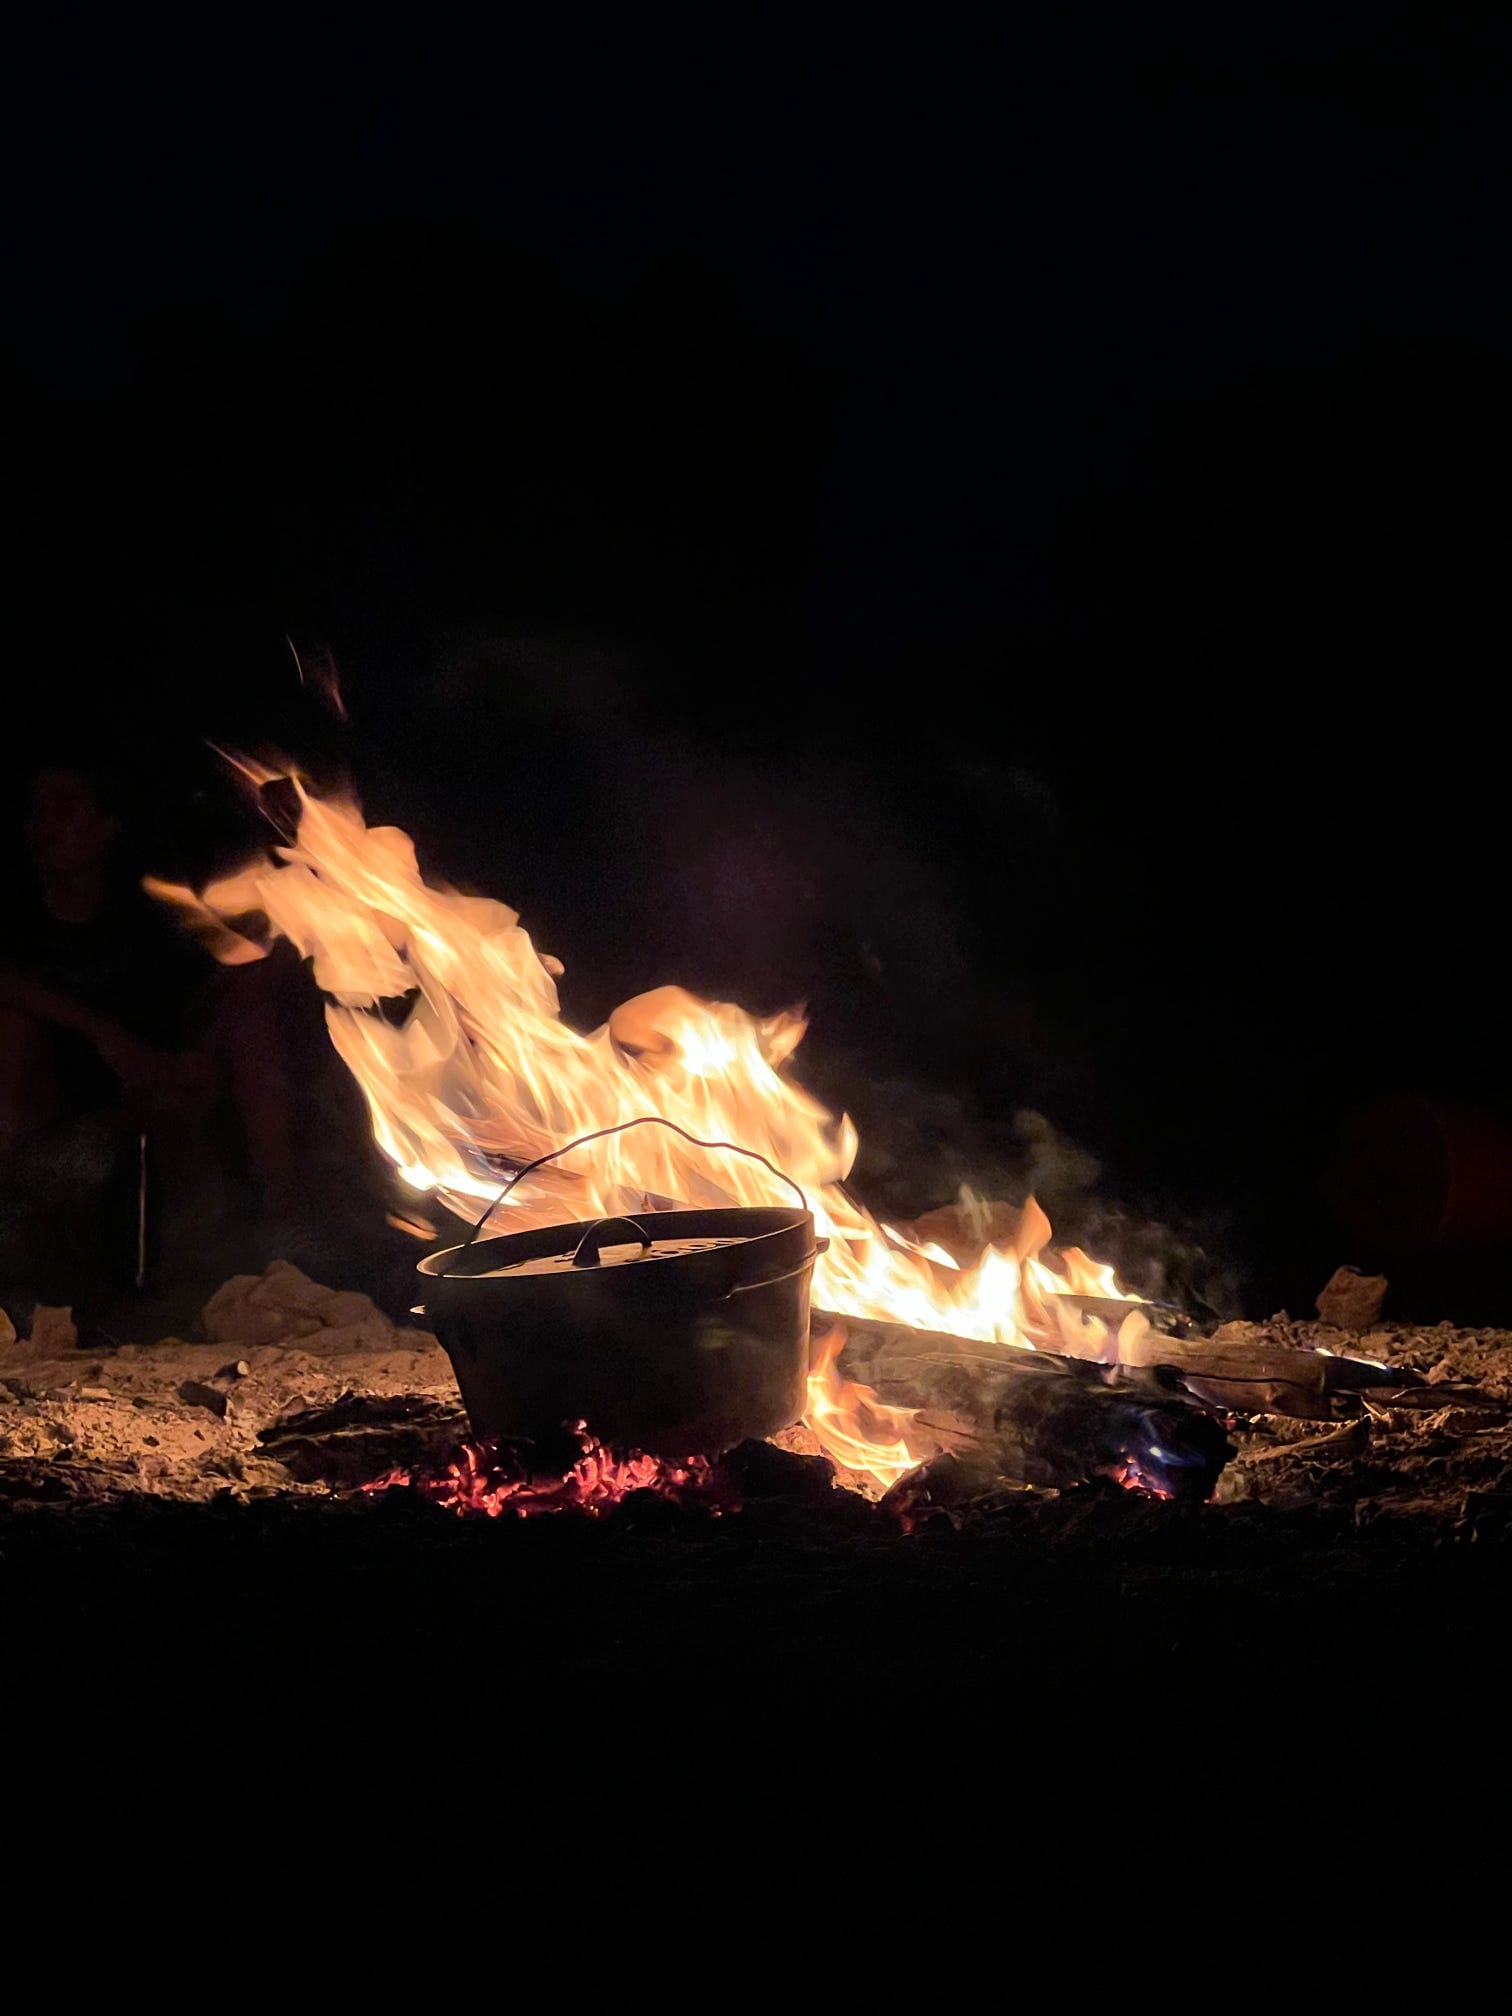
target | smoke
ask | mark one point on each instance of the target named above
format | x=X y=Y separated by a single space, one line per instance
x=922 y=1147
x=1159 y=1247
x=1056 y=1170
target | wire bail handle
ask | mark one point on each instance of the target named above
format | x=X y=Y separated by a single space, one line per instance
x=598 y=1134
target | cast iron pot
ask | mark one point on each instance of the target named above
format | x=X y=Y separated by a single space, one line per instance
x=677 y=1332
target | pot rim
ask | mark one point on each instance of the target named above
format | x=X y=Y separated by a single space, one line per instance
x=477 y=1261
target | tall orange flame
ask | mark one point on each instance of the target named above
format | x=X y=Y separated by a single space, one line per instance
x=483 y=1073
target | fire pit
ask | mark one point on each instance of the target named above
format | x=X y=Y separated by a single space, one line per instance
x=655 y=1294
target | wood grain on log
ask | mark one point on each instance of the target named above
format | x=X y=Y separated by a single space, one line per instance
x=1044 y=1419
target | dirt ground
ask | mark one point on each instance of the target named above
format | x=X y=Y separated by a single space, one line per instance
x=229 y=1418
x=307 y=1392
x=202 y=1609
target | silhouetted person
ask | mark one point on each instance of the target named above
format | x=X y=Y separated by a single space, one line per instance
x=114 y=1026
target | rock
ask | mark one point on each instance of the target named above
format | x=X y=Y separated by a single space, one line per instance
x=284 y=1306
x=376 y=1334
x=249 y=1326
x=52 y=1332
x=285 y=1287
x=94 y=1392
x=195 y=1393
x=237 y=1289
x=1352 y=1300
x=346 y=1307
x=7 y=1330
x=233 y=1316
x=34 y=1438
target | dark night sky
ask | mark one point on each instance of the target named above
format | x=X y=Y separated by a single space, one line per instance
x=1024 y=243
x=994 y=523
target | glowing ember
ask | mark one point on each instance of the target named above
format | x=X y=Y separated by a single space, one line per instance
x=492 y=1479
x=483 y=1075
x=1129 y=1472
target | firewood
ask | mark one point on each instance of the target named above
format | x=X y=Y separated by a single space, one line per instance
x=1040 y=1418
x=1112 y=1311
x=1243 y=1376
x=1260 y=1376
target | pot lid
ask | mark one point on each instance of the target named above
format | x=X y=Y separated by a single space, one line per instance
x=628 y=1253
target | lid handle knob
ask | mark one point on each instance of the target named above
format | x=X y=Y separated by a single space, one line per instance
x=587 y=1252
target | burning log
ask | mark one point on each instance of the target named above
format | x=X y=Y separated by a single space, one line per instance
x=1263 y=1377
x=1252 y=1373
x=1113 y=1311
x=1040 y=1419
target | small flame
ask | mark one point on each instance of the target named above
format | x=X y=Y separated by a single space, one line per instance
x=1133 y=1475
x=482 y=1075
x=856 y=1429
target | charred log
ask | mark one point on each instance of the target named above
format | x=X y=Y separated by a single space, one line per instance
x=1032 y=1418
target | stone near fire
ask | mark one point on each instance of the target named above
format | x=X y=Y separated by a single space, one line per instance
x=345 y=1308
x=52 y=1332
x=284 y=1306
x=285 y=1287
x=1352 y=1300
x=232 y=1317
x=201 y=1393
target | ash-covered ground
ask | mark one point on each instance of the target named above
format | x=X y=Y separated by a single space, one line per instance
x=201 y=1601
x=295 y=1391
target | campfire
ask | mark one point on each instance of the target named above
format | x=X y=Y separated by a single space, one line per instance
x=481 y=1077
x=663 y=1199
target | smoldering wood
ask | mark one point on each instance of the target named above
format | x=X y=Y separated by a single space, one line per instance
x=1261 y=1372
x=1050 y=1420
x=1266 y=1376
x=1040 y=1419
x=1112 y=1311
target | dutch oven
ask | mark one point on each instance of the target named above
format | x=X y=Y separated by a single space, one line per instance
x=676 y=1332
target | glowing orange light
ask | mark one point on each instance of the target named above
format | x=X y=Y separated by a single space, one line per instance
x=483 y=1073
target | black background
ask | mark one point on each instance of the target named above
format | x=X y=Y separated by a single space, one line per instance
x=994 y=525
